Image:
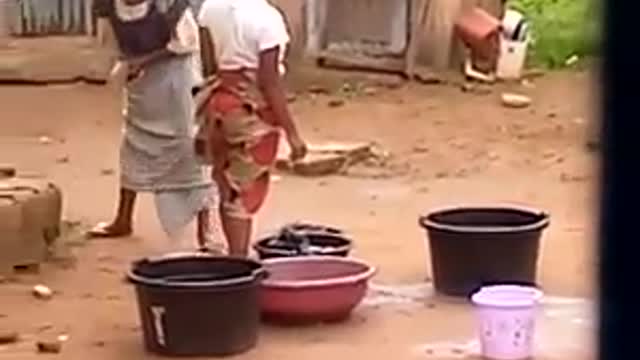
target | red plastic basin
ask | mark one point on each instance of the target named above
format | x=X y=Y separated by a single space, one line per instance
x=313 y=288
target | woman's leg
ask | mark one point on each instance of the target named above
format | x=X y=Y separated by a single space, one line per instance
x=237 y=210
x=203 y=225
x=122 y=224
x=237 y=230
x=238 y=233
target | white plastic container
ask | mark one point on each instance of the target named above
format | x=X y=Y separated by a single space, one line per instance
x=513 y=55
x=510 y=22
x=507 y=321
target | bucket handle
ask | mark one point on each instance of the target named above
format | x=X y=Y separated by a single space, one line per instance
x=136 y=279
x=261 y=274
x=422 y=221
x=256 y=275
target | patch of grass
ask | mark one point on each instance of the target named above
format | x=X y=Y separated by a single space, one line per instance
x=561 y=29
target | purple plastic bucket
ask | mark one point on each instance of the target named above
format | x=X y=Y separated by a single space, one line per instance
x=507 y=321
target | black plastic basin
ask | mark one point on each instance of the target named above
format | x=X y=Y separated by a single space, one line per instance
x=304 y=239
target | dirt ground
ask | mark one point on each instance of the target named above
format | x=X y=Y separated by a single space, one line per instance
x=447 y=147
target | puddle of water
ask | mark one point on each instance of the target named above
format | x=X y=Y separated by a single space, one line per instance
x=380 y=295
x=447 y=350
x=565 y=326
x=559 y=300
x=553 y=341
x=471 y=349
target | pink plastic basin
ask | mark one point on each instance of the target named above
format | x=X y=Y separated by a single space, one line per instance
x=313 y=288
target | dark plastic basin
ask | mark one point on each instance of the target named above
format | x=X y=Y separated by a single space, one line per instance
x=304 y=240
x=198 y=305
x=473 y=247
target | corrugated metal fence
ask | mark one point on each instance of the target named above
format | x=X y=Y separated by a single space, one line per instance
x=51 y=17
x=59 y=17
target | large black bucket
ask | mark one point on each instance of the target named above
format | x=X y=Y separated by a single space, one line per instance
x=198 y=305
x=476 y=246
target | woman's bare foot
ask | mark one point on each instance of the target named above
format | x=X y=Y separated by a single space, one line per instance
x=113 y=230
x=121 y=226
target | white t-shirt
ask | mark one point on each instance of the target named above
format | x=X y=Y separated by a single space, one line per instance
x=241 y=30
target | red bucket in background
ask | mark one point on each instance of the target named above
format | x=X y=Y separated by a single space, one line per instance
x=480 y=31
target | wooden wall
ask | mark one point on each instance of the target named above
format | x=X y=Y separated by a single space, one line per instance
x=58 y=17
x=436 y=46
x=50 y=17
x=381 y=22
x=294 y=11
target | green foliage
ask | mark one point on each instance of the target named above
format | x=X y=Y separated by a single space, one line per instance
x=561 y=29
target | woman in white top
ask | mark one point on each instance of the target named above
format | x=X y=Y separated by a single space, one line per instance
x=158 y=48
x=245 y=107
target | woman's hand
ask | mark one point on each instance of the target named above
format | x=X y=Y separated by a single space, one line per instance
x=135 y=67
x=136 y=64
x=298 y=147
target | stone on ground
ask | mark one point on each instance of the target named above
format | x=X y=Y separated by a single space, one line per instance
x=515 y=100
x=324 y=158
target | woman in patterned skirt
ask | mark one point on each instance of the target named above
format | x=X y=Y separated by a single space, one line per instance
x=244 y=107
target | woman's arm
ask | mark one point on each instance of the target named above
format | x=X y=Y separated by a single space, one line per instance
x=139 y=62
x=207 y=53
x=272 y=88
x=106 y=41
x=105 y=37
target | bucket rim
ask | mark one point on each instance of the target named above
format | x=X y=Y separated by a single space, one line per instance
x=262 y=247
x=483 y=297
x=257 y=274
x=426 y=221
x=331 y=282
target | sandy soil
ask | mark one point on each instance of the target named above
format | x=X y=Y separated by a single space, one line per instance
x=447 y=147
